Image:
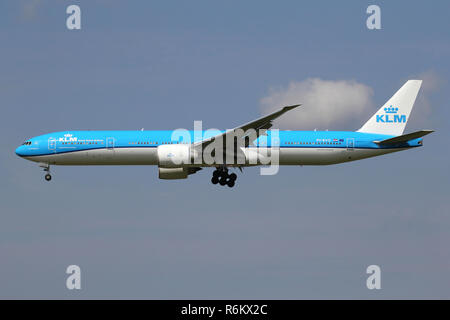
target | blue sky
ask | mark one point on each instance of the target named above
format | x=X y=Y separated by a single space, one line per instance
x=307 y=232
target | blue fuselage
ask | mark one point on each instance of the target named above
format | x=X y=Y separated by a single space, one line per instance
x=138 y=147
x=73 y=141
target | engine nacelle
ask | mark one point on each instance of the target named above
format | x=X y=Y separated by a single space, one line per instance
x=173 y=155
x=173 y=173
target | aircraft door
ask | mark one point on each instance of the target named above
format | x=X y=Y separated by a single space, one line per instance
x=350 y=144
x=52 y=144
x=110 y=143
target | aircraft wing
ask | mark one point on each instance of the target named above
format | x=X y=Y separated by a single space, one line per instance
x=258 y=124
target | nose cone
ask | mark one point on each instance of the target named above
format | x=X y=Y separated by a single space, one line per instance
x=20 y=151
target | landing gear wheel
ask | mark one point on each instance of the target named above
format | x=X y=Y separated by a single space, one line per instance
x=48 y=177
x=223 y=181
x=221 y=176
x=215 y=179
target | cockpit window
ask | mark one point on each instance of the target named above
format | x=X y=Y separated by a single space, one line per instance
x=26 y=143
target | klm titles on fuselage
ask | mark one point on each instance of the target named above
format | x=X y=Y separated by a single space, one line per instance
x=391 y=116
x=68 y=138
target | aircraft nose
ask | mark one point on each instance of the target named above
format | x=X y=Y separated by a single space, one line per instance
x=20 y=151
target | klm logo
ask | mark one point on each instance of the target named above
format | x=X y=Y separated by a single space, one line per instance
x=391 y=116
x=68 y=137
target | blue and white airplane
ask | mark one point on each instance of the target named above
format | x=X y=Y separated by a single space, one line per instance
x=174 y=153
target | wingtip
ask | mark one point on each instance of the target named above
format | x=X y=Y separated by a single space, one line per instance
x=291 y=107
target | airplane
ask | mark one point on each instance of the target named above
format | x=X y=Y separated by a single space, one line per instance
x=174 y=153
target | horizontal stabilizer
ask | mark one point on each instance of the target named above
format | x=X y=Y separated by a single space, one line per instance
x=405 y=137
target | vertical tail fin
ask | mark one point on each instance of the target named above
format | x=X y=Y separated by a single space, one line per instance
x=391 y=118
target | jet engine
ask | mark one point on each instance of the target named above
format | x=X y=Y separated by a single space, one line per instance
x=173 y=155
x=174 y=161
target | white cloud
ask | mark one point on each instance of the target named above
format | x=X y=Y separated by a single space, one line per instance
x=325 y=103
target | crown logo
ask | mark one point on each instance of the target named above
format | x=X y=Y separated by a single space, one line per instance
x=391 y=109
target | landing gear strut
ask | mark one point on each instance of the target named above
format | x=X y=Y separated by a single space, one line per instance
x=46 y=167
x=221 y=176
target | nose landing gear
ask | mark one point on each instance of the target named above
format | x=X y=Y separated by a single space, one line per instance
x=46 y=168
x=221 y=176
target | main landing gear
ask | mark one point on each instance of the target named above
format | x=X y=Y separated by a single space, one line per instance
x=46 y=167
x=221 y=176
